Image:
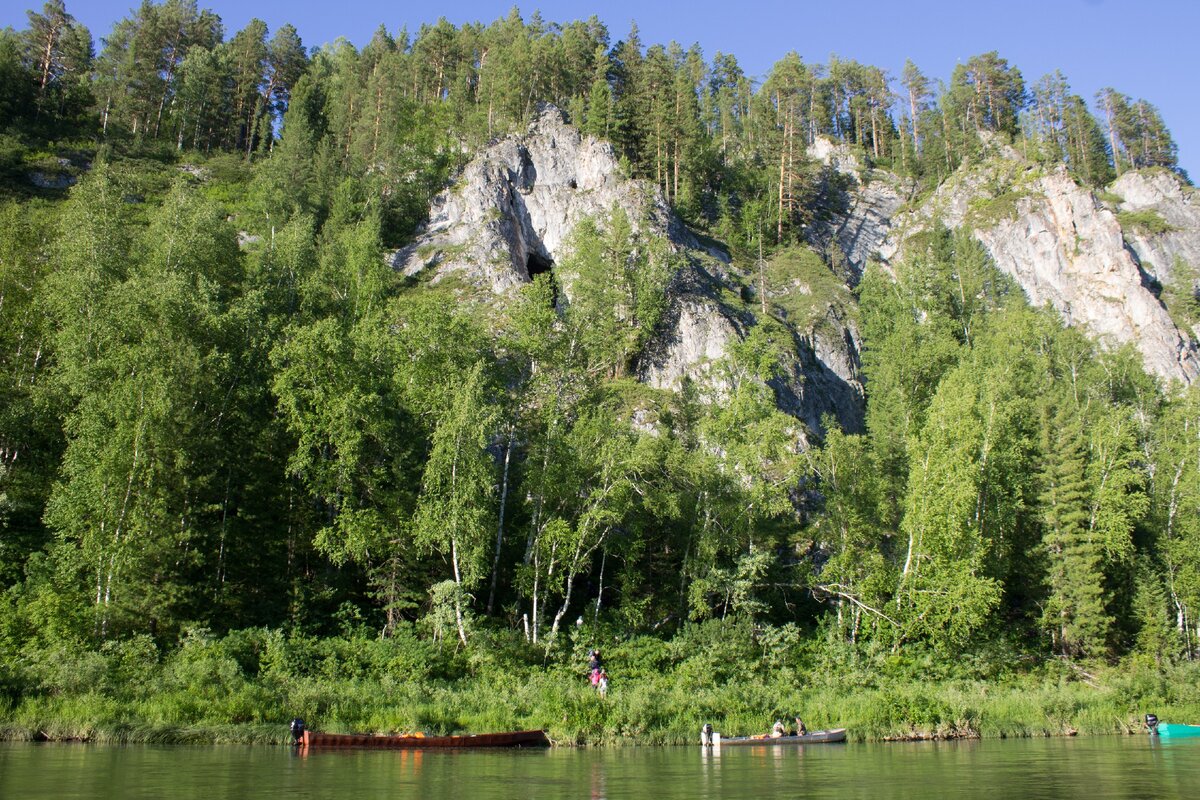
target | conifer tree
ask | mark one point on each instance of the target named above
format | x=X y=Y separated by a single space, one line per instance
x=59 y=50
x=1074 y=611
x=988 y=92
x=1176 y=511
x=916 y=86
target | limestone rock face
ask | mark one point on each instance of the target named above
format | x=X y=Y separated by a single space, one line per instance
x=697 y=335
x=837 y=157
x=1064 y=248
x=512 y=212
x=518 y=201
x=850 y=238
x=857 y=221
x=1060 y=243
x=1178 y=207
x=826 y=377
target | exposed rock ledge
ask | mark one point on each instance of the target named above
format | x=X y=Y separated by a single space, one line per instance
x=1061 y=245
x=512 y=211
x=517 y=202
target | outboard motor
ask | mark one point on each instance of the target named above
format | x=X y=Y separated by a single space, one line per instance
x=706 y=735
x=1152 y=724
x=297 y=728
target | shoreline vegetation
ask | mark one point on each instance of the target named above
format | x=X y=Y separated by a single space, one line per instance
x=245 y=687
x=251 y=471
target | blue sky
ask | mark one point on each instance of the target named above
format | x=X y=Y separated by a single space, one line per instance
x=1144 y=48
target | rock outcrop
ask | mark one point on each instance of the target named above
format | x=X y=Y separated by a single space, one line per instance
x=515 y=204
x=510 y=215
x=1066 y=250
x=1170 y=250
x=1061 y=244
x=858 y=205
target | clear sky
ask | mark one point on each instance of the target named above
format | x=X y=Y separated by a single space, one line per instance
x=1144 y=48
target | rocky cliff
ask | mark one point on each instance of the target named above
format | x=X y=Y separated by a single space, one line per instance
x=1163 y=231
x=514 y=205
x=1101 y=260
x=510 y=214
x=1064 y=245
x=859 y=206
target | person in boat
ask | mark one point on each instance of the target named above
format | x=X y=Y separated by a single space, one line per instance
x=801 y=730
x=779 y=729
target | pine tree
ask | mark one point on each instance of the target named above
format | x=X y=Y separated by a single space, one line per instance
x=916 y=86
x=1137 y=135
x=989 y=93
x=248 y=61
x=1086 y=155
x=600 y=110
x=60 y=52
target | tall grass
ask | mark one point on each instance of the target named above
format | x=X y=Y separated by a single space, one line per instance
x=246 y=687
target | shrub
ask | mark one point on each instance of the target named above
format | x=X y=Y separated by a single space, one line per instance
x=1147 y=221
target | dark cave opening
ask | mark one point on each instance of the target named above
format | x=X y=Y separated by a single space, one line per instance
x=536 y=265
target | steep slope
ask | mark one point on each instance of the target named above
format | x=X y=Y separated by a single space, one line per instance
x=1061 y=244
x=509 y=217
x=515 y=204
x=859 y=205
x=1162 y=228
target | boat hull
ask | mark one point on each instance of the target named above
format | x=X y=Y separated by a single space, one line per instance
x=1175 y=730
x=343 y=740
x=816 y=737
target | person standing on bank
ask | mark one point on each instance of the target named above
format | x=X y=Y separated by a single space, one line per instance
x=595 y=666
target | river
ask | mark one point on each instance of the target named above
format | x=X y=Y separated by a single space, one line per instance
x=1094 y=768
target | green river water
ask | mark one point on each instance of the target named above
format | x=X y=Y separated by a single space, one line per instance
x=1092 y=768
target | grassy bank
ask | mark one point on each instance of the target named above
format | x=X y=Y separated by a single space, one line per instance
x=245 y=688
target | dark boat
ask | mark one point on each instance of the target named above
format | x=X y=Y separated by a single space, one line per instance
x=422 y=742
x=816 y=737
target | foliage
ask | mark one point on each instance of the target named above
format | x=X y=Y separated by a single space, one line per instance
x=247 y=685
x=248 y=471
x=1147 y=221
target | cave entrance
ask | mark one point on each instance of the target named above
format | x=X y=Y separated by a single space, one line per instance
x=539 y=265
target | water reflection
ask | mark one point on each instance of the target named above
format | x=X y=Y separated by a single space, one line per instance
x=598 y=781
x=1096 y=769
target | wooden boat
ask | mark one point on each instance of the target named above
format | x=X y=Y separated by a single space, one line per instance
x=816 y=737
x=1175 y=730
x=422 y=742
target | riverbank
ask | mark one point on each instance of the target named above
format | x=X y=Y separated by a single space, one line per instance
x=246 y=688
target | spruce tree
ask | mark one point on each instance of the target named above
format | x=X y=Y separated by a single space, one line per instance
x=1074 y=611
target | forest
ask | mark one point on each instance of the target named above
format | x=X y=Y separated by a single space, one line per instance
x=249 y=471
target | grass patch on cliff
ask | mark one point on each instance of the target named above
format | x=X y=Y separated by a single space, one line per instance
x=1147 y=222
x=801 y=288
x=987 y=212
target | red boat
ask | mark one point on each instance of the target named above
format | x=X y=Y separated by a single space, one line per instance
x=420 y=741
